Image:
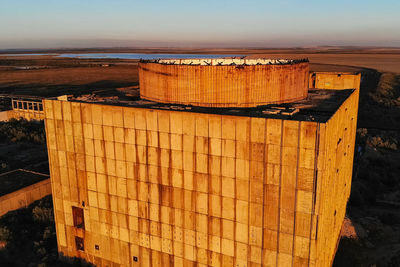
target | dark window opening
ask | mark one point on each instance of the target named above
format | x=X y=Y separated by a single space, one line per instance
x=313 y=78
x=19 y=105
x=25 y=105
x=30 y=107
x=35 y=106
x=96 y=247
x=40 y=107
x=79 y=243
x=135 y=259
x=15 y=104
x=79 y=220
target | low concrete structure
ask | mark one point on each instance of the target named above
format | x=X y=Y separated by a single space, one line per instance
x=25 y=195
x=6 y=115
x=29 y=108
x=334 y=80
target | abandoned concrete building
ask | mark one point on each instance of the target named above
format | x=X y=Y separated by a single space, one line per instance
x=18 y=106
x=222 y=162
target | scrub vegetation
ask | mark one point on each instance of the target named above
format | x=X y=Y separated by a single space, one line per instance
x=28 y=237
x=22 y=131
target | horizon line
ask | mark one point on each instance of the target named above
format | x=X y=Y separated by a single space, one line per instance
x=191 y=47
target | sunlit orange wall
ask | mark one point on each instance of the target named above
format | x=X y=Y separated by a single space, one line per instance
x=334 y=80
x=174 y=188
x=223 y=86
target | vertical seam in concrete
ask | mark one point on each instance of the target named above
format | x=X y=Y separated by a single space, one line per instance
x=279 y=200
x=51 y=172
x=159 y=170
x=295 y=192
x=317 y=141
x=248 y=193
x=80 y=204
x=221 y=220
x=115 y=162
x=158 y=185
x=66 y=152
x=148 y=186
x=48 y=148
x=265 y=155
x=136 y=176
x=194 y=185
x=169 y=192
x=73 y=132
x=105 y=165
x=236 y=192
x=126 y=178
x=208 y=193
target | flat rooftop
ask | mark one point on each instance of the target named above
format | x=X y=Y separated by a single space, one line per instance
x=319 y=106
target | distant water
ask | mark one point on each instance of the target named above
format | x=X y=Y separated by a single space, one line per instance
x=142 y=56
x=125 y=55
x=21 y=55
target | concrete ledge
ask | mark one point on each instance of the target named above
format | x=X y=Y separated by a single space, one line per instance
x=24 y=196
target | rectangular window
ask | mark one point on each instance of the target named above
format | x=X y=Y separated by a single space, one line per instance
x=79 y=220
x=40 y=107
x=79 y=243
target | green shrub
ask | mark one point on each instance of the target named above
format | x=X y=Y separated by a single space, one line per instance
x=42 y=214
x=388 y=90
x=379 y=142
x=4 y=234
x=23 y=130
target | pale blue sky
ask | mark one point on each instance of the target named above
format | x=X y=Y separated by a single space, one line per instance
x=278 y=23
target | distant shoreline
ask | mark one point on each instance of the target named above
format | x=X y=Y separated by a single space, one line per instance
x=380 y=59
x=247 y=51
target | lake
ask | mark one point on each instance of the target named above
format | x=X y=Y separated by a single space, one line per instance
x=142 y=56
x=125 y=55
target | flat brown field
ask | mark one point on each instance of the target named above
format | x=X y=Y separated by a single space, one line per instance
x=54 y=76
x=72 y=76
x=379 y=62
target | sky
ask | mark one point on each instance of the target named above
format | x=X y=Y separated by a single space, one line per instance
x=202 y=23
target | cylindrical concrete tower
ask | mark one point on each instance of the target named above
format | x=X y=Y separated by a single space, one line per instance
x=224 y=82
